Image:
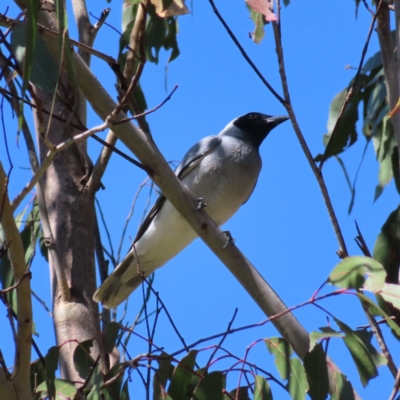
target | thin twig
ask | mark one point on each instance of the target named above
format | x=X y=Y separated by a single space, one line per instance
x=13 y=287
x=42 y=303
x=244 y=54
x=136 y=38
x=148 y=111
x=111 y=253
x=128 y=218
x=396 y=386
x=342 y=252
x=102 y=19
x=49 y=158
x=80 y=127
x=223 y=337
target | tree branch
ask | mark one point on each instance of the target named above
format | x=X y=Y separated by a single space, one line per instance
x=136 y=38
x=21 y=373
x=342 y=252
x=144 y=148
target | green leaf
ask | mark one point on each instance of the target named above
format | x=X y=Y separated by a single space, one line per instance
x=374 y=309
x=170 y=42
x=373 y=62
x=346 y=134
x=360 y=353
x=162 y=375
x=161 y=33
x=384 y=149
x=395 y=167
x=37 y=374
x=366 y=336
x=29 y=237
x=376 y=108
x=51 y=367
x=110 y=336
x=31 y=33
x=96 y=382
x=30 y=233
x=259 y=22
x=327 y=332
x=182 y=375
x=297 y=385
x=83 y=361
x=387 y=246
x=356 y=272
x=64 y=389
x=262 y=391
x=282 y=351
x=65 y=46
x=128 y=17
x=194 y=381
x=115 y=386
x=342 y=389
x=125 y=391
x=317 y=373
x=44 y=251
x=210 y=387
x=44 y=71
x=391 y=293
x=241 y=393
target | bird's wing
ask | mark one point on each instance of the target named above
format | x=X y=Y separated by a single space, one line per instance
x=196 y=153
x=192 y=158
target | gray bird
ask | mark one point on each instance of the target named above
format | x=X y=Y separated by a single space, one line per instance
x=222 y=170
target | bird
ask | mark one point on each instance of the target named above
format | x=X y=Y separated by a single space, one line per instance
x=221 y=172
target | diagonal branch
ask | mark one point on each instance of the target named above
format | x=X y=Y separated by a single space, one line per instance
x=244 y=54
x=342 y=252
x=160 y=172
x=136 y=39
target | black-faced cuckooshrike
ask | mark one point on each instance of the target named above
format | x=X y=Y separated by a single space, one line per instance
x=222 y=170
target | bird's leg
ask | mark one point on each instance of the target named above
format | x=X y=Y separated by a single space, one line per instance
x=201 y=203
x=230 y=240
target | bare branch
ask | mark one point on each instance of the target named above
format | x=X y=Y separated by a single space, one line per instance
x=166 y=180
x=136 y=39
x=396 y=386
x=244 y=54
x=49 y=158
x=21 y=373
x=342 y=252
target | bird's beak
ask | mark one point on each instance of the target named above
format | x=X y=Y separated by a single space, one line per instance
x=275 y=121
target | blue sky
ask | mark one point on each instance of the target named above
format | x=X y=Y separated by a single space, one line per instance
x=284 y=228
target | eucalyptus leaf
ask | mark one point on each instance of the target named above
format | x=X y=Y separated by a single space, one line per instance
x=182 y=375
x=317 y=373
x=282 y=351
x=358 y=272
x=262 y=390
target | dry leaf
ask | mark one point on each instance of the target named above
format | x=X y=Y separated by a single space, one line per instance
x=177 y=7
x=264 y=7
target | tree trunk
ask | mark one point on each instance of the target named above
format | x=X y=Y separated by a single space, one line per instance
x=71 y=216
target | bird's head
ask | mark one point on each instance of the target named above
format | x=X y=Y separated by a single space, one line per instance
x=254 y=127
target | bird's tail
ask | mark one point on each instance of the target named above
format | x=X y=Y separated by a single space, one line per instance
x=118 y=286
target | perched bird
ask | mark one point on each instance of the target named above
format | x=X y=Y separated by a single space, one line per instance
x=222 y=170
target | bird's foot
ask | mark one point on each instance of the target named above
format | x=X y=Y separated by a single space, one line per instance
x=230 y=240
x=201 y=203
